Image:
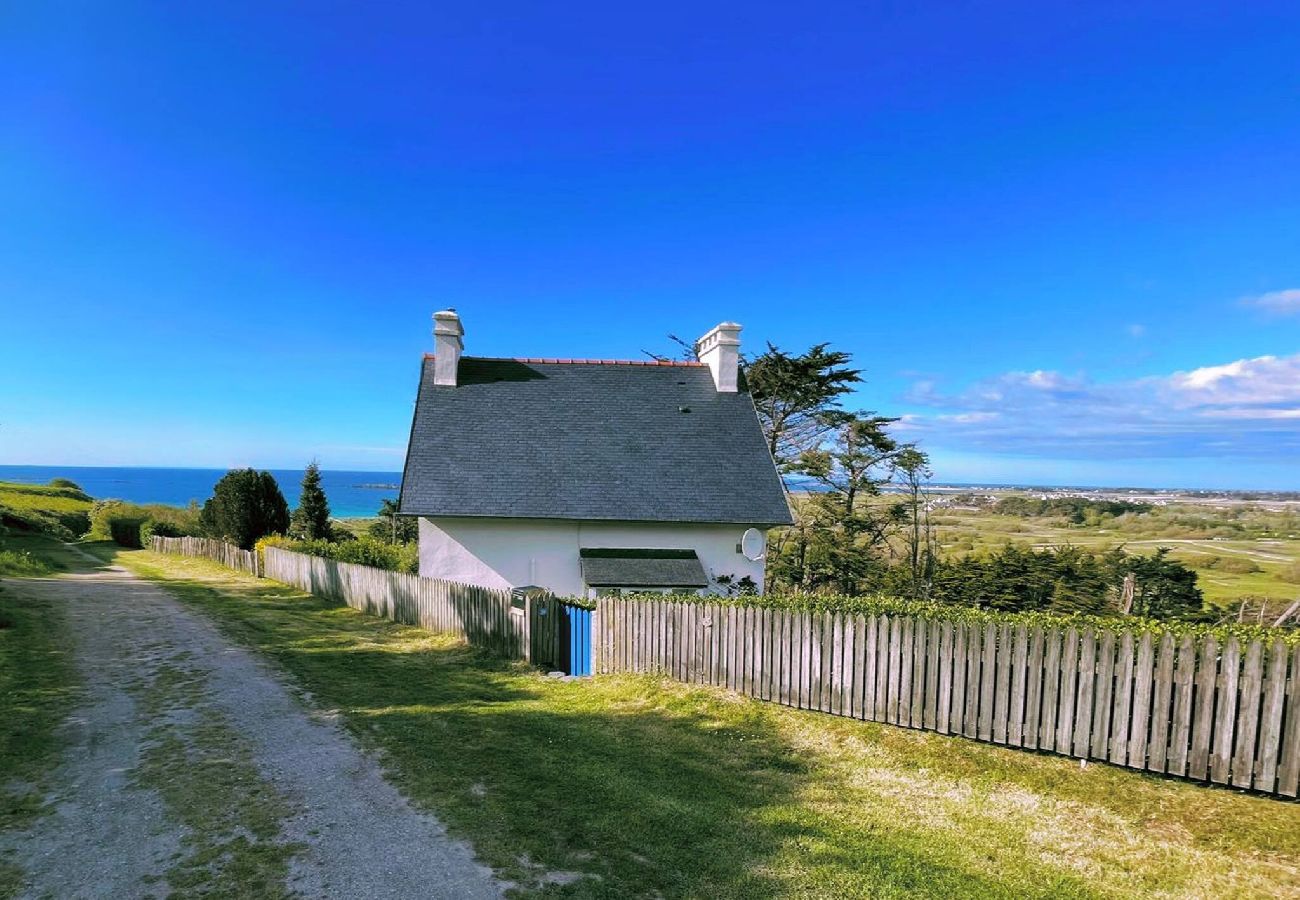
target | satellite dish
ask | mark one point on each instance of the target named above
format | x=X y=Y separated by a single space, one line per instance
x=753 y=544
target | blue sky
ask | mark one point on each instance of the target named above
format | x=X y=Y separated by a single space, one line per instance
x=1063 y=240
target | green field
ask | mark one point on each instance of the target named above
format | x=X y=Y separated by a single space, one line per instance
x=61 y=511
x=1245 y=550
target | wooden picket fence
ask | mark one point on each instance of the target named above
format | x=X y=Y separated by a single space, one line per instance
x=208 y=548
x=484 y=617
x=1204 y=709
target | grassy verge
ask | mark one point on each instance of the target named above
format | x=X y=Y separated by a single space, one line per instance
x=37 y=685
x=632 y=786
x=25 y=554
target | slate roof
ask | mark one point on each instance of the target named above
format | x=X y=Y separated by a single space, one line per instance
x=642 y=568
x=592 y=440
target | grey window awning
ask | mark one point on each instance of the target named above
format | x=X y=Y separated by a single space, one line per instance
x=649 y=568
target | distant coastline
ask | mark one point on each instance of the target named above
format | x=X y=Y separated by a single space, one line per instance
x=352 y=494
x=359 y=494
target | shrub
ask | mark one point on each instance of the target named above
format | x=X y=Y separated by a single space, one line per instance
x=162 y=529
x=131 y=524
x=246 y=505
x=364 y=551
x=1235 y=565
x=125 y=532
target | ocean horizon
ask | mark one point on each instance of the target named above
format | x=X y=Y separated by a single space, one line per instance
x=351 y=494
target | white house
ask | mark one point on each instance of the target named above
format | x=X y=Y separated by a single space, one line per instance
x=584 y=476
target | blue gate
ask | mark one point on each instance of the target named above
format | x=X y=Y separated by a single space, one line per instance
x=575 y=643
x=560 y=635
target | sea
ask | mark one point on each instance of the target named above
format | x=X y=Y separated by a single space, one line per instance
x=350 y=494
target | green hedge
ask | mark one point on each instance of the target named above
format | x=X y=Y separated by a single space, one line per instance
x=364 y=551
x=126 y=532
x=948 y=612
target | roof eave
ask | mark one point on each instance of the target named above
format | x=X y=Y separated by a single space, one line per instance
x=760 y=522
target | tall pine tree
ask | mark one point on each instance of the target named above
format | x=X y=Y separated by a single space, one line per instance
x=311 y=520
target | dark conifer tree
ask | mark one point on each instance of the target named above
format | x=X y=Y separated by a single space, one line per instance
x=245 y=505
x=311 y=520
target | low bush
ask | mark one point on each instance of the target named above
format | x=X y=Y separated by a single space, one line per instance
x=364 y=551
x=1236 y=565
x=131 y=524
x=126 y=532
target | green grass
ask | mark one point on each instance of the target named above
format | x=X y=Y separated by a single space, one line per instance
x=40 y=554
x=634 y=786
x=37 y=690
x=1275 y=554
x=61 y=511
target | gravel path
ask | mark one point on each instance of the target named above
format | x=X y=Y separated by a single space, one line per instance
x=190 y=765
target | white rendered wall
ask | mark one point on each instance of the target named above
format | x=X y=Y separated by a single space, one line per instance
x=506 y=553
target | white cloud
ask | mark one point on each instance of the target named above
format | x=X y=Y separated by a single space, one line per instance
x=1262 y=380
x=1247 y=407
x=1280 y=303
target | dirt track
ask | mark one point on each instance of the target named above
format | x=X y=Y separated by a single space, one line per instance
x=191 y=766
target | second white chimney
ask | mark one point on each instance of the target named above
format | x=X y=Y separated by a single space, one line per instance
x=447 y=346
x=720 y=351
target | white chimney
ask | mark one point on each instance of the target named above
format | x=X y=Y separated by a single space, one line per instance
x=720 y=351
x=447 y=345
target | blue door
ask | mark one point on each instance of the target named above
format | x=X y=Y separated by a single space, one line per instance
x=575 y=639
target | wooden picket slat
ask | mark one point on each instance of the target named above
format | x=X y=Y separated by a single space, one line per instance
x=1225 y=711
x=870 y=665
x=1270 y=721
x=1084 y=711
x=827 y=675
x=933 y=641
x=957 y=666
x=857 y=707
x=1140 y=711
x=974 y=645
x=1034 y=687
x=988 y=681
x=1180 y=717
x=1250 y=692
x=1101 y=699
x=1069 y=683
x=882 y=668
x=943 y=670
x=1198 y=759
x=916 y=708
x=1051 y=689
x=1124 y=663
x=1016 y=711
x=1002 y=685
x=1288 y=770
x=905 y=662
x=894 y=663
x=1161 y=705
x=844 y=649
